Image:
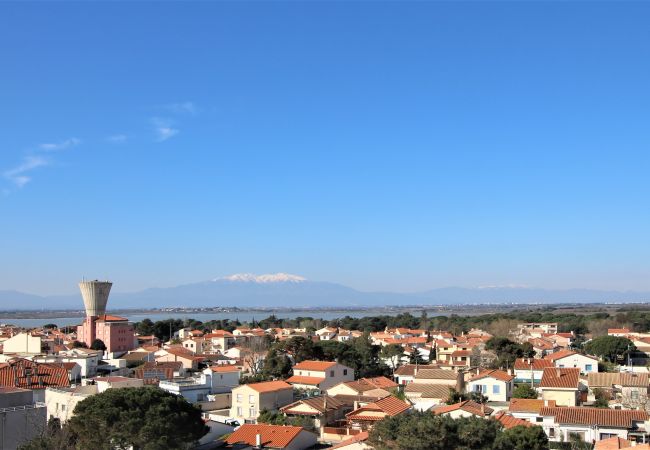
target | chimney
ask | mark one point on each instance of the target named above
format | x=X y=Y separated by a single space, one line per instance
x=545 y=402
x=558 y=372
x=483 y=408
x=258 y=440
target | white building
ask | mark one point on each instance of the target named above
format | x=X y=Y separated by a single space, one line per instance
x=496 y=385
x=567 y=359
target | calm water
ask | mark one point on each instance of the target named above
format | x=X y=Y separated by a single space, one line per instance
x=205 y=317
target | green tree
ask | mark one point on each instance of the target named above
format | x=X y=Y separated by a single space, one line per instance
x=415 y=357
x=276 y=365
x=49 y=326
x=277 y=418
x=602 y=398
x=144 y=418
x=520 y=437
x=456 y=397
x=611 y=348
x=524 y=391
x=98 y=344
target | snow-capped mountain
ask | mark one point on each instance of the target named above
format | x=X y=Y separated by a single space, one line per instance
x=266 y=278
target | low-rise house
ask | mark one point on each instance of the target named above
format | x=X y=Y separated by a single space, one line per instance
x=406 y=374
x=466 y=408
x=319 y=374
x=629 y=390
x=365 y=417
x=594 y=424
x=154 y=372
x=496 y=385
x=23 y=418
x=613 y=443
x=529 y=409
x=568 y=358
x=426 y=396
x=263 y=436
x=530 y=370
x=323 y=409
x=25 y=374
x=189 y=361
x=356 y=442
x=61 y=401
x=358 y=387
x=326 y=334
x=561 y=385
x=510 y=421
x=23 y=344
x=249 y=399
x=618 y=332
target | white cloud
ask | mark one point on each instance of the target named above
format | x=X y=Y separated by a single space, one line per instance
x=56 y=146
x=18 y=175
x=117 y=138
x=164 y=129
x=182 y=108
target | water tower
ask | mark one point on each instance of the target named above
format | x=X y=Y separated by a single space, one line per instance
x=95 y=295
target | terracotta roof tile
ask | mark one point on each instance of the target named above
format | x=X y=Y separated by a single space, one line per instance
x=560 y=378
x=274 y=436
x=509 y=421
x=322 y=404
x=493 y=373
x=361 y=437
x=617 y=418
x=381 y=382
x=426 y=390
x=317 y=366
x=26 y=374
x=529 y=405
x=299 y=379
x=269 y=386
x=435 y=374
x=469 y=406
x=387 y=406
x=538 y=364
x=613 y=443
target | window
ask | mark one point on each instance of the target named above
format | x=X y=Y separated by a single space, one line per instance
x=539 y=419
x=607 y=435
x=345 y=371
x=251 y=413
x=496 y=389
x=635 y=395
x=251 y=399
x=331 y=374
x=239 y=411
x=240 y=397
x=551 y=432
x=588 y=368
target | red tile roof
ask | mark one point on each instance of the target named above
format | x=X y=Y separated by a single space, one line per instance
x=380 y=382
x=494 y=373
x=469 y=406
x=617 y=418
x=110 y=318
x=321 y=404
x=26 y=374
x=299 y=379
x=317 y=366
x=274 y=436
x=387 y=406
x=509 y=421
x=361 y=437
x=613 y=443
x=225 y=368
x=269 y=386
x=529 y=405
x=537 y=364
x=560 y=378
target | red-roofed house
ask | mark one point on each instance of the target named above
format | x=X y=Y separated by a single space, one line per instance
x=568 y=358
x=467 y=408
x=363 y=418
x=265 y=436
x=319 y=374
x=509 y=421
x=25 y=374
x=496 y=385
x=530 y=369
x=249 y=399
x=561 y=385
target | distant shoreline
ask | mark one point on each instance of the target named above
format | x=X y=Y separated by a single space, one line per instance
x=463 y=309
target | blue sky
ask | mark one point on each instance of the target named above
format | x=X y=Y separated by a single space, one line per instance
x=383 y=145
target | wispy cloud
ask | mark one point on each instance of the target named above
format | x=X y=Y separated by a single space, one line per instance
x=19 y=174
x=183 y=108
x=56 y=146
x=164 y=129
x=117 y=138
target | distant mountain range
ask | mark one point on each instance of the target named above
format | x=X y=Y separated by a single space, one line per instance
x=286 y=290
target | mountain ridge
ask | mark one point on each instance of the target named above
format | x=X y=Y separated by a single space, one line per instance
x=288 y=290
